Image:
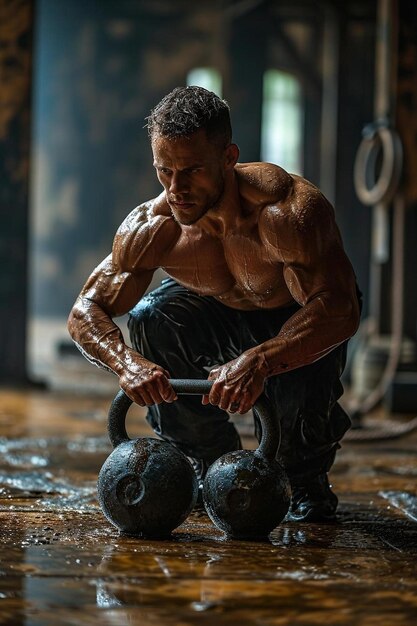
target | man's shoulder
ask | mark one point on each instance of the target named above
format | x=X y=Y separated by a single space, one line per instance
x=146 y=232
x=263 y=183
x=303 y=220
x=148 y=217
x=281 y=200
x=303 y=207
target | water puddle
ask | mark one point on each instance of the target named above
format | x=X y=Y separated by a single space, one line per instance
x=12 y=449
x=405 y=502
x=29 y=491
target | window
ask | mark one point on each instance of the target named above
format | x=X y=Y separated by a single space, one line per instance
x=282 y=121
x=206 y=77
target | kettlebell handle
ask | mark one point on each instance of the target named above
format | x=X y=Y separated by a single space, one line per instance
x=271 y=429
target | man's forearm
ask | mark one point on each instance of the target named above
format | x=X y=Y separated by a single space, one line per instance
x=311 y=333
x=98 y=337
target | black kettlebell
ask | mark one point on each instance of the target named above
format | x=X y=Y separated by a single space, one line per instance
x=146 y=486
x=247 y=494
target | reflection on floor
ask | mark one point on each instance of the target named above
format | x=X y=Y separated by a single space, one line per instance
x=63 y=563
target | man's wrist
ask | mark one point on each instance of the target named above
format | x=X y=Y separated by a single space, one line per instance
x=122 y=359
x=258 y=354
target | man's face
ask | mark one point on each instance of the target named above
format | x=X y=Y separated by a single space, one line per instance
x=192 y=171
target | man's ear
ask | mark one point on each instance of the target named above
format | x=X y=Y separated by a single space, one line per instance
x=231 y=155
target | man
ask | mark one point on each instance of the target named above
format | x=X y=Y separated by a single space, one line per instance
x=261 y=296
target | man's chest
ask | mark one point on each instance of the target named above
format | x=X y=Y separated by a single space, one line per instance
x=214 y=267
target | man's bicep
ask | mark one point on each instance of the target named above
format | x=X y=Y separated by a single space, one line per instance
x=329 y=272
x=306 y=240
x=114 y=290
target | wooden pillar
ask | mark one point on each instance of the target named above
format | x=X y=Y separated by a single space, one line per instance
x=16 y=29
x=244 y=90
x=406 y=110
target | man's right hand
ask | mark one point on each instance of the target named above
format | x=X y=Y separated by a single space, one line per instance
x=145 y=382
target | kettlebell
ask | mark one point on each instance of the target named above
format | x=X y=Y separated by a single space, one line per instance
x=247 y=494
x=146 y=486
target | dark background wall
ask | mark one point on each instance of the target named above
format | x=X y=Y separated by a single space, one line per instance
x=98 y=68
x=16 y=28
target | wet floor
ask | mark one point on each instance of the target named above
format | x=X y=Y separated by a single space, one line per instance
x=62 y=562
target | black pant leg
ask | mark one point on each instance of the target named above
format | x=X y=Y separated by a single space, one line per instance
x=312 y=421
x=187 y=335
x=304 y=401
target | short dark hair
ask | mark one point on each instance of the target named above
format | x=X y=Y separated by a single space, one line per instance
x=186 y=110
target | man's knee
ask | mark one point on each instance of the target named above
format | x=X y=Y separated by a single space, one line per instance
x=166 y=328
x=156 y=318
x=140 y=319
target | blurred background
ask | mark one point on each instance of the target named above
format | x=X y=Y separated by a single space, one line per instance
x=325 y=89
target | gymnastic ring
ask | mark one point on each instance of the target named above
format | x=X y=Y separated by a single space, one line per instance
x=376 y=138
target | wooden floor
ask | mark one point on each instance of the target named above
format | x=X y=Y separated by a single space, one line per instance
x=63 y=563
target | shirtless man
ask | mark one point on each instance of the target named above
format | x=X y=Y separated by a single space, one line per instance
x=261 y=297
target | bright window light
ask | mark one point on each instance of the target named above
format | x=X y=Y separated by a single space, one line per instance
x=282 y=121
x=206 y=77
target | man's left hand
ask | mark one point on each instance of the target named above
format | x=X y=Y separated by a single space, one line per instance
x=237 y=384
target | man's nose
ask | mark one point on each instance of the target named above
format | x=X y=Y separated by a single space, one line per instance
x=178 y=183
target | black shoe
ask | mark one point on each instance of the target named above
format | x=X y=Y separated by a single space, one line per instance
x=314 y=501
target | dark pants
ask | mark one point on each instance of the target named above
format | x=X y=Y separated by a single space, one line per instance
x=189 y=334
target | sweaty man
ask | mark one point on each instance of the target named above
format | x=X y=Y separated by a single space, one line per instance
x=260 y=297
